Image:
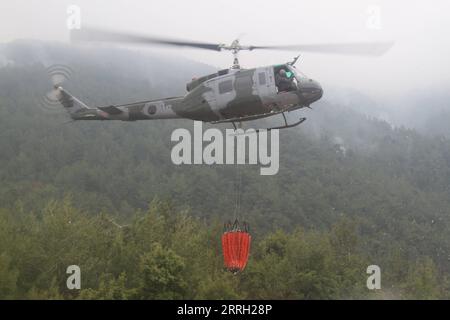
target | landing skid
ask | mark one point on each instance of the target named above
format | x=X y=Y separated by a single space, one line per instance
x=260 y=116
x=300 y=121
x=286 y=125
x=249 y=118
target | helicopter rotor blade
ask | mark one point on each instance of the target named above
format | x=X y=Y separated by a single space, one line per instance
x=98 y=35
x=351 y=48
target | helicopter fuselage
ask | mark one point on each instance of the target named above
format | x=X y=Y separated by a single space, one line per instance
x=230 y=94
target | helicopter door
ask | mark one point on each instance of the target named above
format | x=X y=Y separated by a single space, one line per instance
x=211 y=97
x=266 y=85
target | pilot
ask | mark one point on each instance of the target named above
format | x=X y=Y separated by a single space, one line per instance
x=284 y=83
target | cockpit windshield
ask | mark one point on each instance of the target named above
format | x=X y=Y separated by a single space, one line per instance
x=295 y=72
x=285 y=78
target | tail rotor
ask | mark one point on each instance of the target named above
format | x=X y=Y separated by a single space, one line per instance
x=58 y=74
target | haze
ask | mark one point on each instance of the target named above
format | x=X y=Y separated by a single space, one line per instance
x=418 y=60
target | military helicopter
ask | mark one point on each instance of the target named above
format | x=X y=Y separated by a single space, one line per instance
x=232 y=95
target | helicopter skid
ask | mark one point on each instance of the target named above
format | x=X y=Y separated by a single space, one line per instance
x=285 y=126
x=249 y=118
x=300 y=121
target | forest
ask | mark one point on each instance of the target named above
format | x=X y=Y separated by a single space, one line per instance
x=352 y=191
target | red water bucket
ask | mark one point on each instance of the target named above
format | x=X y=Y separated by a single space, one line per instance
x=236 y=247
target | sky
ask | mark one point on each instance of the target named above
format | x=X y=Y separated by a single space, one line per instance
x=419 y=59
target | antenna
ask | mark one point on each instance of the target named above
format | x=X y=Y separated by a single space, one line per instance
x=294 y=61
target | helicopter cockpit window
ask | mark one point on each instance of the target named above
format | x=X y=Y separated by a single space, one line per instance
x=225 y=86
x=285 y=79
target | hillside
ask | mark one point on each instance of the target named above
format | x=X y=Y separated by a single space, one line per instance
x=351 y=191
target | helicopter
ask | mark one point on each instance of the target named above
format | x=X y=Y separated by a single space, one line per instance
x=233 y=95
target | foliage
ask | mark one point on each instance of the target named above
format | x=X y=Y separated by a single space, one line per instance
x=146 y=261
x=351 y=191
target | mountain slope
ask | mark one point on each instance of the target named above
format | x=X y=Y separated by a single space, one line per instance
x=392 y=182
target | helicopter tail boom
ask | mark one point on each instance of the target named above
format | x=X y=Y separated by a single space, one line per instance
x=145 y=110
x=70 y=103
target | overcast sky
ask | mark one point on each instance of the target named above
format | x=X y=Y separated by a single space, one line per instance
x=420 y=29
